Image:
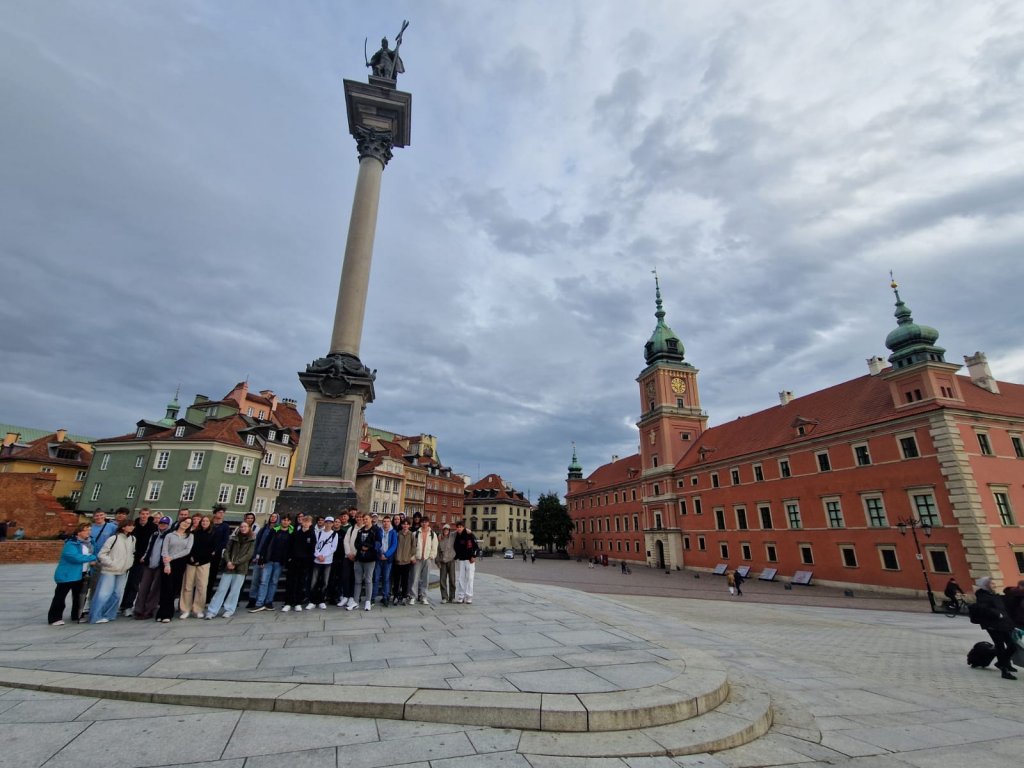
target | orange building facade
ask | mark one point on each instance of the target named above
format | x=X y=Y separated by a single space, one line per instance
x=821 y=483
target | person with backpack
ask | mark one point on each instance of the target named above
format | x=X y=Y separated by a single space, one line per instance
x=116 y=558
x=989 y=611
x=323 y=564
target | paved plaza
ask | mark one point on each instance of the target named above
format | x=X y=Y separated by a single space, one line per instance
x=530 y=674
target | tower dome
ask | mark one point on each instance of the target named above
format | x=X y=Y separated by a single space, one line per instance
x=911 y=342
x=664 y=344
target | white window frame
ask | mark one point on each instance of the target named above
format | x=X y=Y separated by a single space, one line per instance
x=283 y=461
x=179 y=431
x=130 y=493
x=105 y=461
x=162 y=460
x=934 y=517
x=828 y=460
x=140 y=461
x=867 y=454
x=196 y=460
x=868 y=497
x=247 y=465
x=96 y=491
x=268 y=458
x=278 y=483
x=258 y=504
x=231 y=463
x=80 y=475
x=188 y=490
x=264 y=481
x=241 y=492
x=154 y=489
x=795 y=504
x=224 y=493
x=903 y=452
x=250 y=439
x=828 y=513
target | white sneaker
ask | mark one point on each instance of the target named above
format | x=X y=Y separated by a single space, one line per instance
x=424 y=601
x=458 y=599
x=298 y=609
x=311 y=606
x=469 y=599
x=184 y=615
x=352 y=602
x=127 y=613
x=58 y=623
x=350 y=605
x=342 y=603
x=200 y=615
x=322 y=606
x=367 y=606
x=102 y=621
x=286 y=609
x=208 y=616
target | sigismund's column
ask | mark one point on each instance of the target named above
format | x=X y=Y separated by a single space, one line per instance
x=339 y=386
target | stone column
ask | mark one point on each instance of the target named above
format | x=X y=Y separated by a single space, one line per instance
x=338 y=386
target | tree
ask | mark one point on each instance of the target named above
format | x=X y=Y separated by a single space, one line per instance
x=551 y=525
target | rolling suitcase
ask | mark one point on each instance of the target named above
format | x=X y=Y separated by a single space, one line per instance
x=981 y=655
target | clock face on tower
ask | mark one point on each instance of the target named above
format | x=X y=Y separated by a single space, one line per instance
x=678 y=385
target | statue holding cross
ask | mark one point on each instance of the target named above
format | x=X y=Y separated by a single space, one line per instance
x=386 y=62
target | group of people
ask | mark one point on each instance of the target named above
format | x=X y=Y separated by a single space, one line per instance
x=153 y=567
x=1001 y=615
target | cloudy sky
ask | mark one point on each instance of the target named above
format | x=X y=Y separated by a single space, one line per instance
x=176 y=181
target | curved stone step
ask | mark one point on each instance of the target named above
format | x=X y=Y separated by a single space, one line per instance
x=743 y=717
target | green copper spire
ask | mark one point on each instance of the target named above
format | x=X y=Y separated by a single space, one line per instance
x=575 y=469
x=173 y=408
x=910 y=342
x=663 y=344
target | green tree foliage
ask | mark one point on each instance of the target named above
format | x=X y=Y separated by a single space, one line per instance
x=551 y=525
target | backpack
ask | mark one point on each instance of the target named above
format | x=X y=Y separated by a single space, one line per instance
x=981 y=655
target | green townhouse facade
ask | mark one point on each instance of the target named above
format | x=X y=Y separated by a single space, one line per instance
x=213 y=455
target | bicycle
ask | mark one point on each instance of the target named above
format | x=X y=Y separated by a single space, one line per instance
x=955 y=606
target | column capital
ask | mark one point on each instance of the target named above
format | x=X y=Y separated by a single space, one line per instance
x=373 y=142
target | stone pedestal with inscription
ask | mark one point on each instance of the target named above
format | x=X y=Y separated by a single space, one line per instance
x=339 y=386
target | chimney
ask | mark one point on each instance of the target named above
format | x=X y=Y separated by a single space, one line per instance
x=615 y=457
x=62 y=435
x=201 y=399
x=875 y=365
x=785 y=397
x=981 y=374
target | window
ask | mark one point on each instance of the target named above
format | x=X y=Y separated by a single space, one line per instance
x=766 y=517
x=720 y=519
x=153 y=490
x=927 y=512
x=279 y=484
x=163 y=458
x=806 y=554
x=139 y=461
x=248 y=411
x=908 y=446
x=76 y=495
x=268 y=458
x=657 y=520
x=247 y=465
x=224 y=494
x=284 y=438
x=272 y=434
x=96 y=491
x=734 y=475
x=697 y=508
x=257 y=506
x=758 y=473
x=657 y=492
x=141 y=431
x=770 y=554
x=196 y=460
x=46 y=470
x=723 y=549
x=889 y=560
x=784 y=470
x=230 y=462
x=694 y=481
x=105 y=462
x=741 y=518
x=714 y=479
x=262 y=415
x=793 y=514
x=188 y=490
x=264 y=481
x=1003 y=505
x=80 y=475
x=861 y=455
x=984 y=444
x=250 y=439
x=686 y=543
x=179 y=431
x=682 y=506
x=834 y=513
x=824 y=465
x=654 y=461
x=849 y=556
x=702 y=545
x=745 y=551
x=636 y=522
x=1018 y=555
x=876 y=512
x=130 y=493
x=240 y=493
x=939 y=559
x=283 y=461
x=1018 y=446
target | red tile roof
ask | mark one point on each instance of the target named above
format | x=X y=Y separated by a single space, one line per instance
x=615 y=473
x=39 y=450
x=223 y=430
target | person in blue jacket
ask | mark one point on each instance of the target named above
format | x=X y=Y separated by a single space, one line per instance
x=74 y=562
x=386 y=559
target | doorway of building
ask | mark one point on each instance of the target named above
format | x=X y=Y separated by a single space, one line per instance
x=659 y=553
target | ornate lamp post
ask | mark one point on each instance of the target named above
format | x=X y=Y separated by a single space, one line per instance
x=913 y=524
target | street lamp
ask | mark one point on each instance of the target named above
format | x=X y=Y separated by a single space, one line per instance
x=913 y=524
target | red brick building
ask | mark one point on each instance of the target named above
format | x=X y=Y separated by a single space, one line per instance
x=821 y=482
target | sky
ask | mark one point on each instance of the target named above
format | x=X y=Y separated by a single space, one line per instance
x=176 y=181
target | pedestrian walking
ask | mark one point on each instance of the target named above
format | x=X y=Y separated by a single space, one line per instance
x=992 y=616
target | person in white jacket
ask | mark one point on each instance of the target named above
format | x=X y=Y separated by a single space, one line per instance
x=349 y=550
x=116 y=558
x=426 y=550
x=323 y=558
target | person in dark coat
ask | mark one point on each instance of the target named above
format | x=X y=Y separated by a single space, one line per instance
x=997 y=623
x=301 y=547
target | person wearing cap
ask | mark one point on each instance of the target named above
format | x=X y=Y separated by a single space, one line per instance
x=445 y=561
x=148 y=599
x=323 y=561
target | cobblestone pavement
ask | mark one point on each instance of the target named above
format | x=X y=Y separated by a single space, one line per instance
x=850 y=687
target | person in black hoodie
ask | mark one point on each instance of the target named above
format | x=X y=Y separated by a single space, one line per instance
x=257 y=567
x=301 y=546
x=145 y=527
x=197 y=571
x=272 y=551
x=221 y=533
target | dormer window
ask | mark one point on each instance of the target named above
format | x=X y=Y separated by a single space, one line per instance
x=272 y=434
x=250 y=439
x=284 y=439
x=179 y=431
x=141 y=432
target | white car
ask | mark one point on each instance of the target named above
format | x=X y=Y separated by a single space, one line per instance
x=510 y=554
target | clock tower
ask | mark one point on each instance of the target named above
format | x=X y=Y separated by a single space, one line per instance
x=671 y=417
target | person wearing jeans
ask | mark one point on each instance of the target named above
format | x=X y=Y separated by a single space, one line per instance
x=236 y=558
x=367 y=546
x=257 y=563
x=272 y=559
x=116 y=558
x=382 y=573
x=426 y=550
x=446 y=563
